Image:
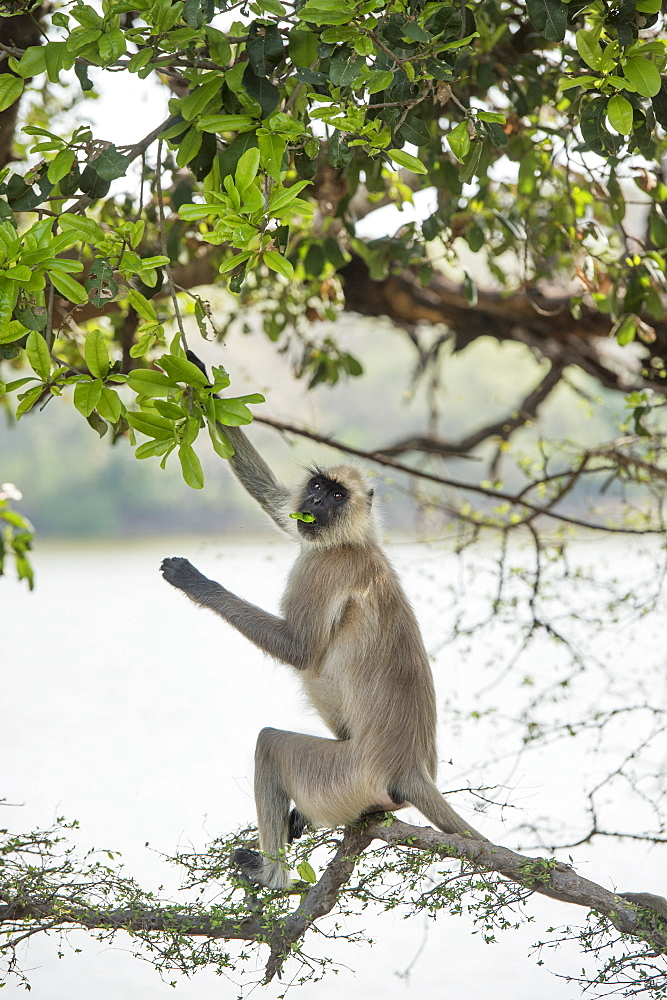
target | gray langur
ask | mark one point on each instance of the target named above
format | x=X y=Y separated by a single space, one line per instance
x=349 y=630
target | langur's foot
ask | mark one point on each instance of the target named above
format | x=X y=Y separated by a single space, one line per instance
x=297 y=824
x=259 y=870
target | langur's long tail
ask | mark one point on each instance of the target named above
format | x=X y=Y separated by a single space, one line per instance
x=426 y=797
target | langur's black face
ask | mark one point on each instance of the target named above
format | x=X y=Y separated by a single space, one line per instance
x=326 y=500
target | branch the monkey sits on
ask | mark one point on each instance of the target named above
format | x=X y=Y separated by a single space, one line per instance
x=348 y=628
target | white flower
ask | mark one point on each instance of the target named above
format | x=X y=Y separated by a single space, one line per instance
x=9 y=492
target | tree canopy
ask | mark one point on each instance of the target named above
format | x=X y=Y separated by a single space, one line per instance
x=536 y=133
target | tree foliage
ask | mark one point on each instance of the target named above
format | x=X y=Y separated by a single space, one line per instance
x=533 y=125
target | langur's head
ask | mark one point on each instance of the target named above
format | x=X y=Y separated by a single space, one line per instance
x=340 y=502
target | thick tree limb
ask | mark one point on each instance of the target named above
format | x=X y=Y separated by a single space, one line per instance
x=17 y=34
x=545 y=324
x=562 y=881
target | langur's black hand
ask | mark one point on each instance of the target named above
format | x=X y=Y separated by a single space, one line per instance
x=181 y=573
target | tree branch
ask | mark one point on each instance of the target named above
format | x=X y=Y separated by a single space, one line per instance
x=281 y=933
x=527 y=410
x=515 y=499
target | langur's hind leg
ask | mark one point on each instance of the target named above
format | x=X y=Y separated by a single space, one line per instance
x=273 y=813
x=315 y=774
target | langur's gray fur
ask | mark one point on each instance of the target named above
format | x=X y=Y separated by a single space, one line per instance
x=348 y=628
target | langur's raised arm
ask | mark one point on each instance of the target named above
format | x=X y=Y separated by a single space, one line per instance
x=272 y=634
x=253 y=472
x=255 y=475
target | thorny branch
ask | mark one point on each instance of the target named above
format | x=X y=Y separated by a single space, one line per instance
x=29 y=914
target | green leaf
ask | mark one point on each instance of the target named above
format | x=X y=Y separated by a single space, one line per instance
x=416 y=33
x=28 y=400
x=12 y=332
x=218 y=46
x=627 y=330
x=200 y=96
x=139 y=60
x=232 y=412
x=326 y=12
x=345 y=66
x=86 y=396
x=298 y=516
x=278 y=263
x=619 y=112
x=19 y=273
x=38 y=355
x=282 y=197
x=109 y=405
x=471 y=164
x=56 y=58
x=459 y=141
x=643 y=75
x=226 y=123
x=588 y=48
x=415 y=130
x=151 y=383
x=188 y=146
x=219 y=440
x=68 y=287
x=304 y=870
x=11 y=88
x=232 y=262
x=9 y=291
x=61 y=165
x=271 y=150
x=407 y=160
x=32 y=62
x=246 y=168
x=264 y=46
x=303 y=47
x=363 y=45
x=183 y=371
x=172 y=411
x=379 y=79
x=566 y=83
x=491 y=116
x=141 y=305
x=150 y=424
x=193 y=473
x=110 y=164
x=150 y=449
x=261 y=90
x=96 y=354
x=86 y=230
x=549 y=17
x=111 y=45
x=595 y=134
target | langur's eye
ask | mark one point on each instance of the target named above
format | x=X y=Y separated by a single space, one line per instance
x=315 y=485
x=338 y=496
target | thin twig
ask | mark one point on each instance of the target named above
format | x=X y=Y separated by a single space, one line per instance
x=164 y=246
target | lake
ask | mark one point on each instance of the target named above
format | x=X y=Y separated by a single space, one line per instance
x=130 y=710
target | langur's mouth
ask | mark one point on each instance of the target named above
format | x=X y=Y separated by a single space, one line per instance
x=308 y=527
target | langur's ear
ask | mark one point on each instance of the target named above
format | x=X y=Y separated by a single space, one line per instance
x=370 y=496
